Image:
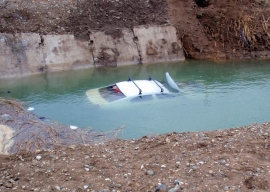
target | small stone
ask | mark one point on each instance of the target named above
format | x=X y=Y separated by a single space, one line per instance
x=6 y=117
x=222 y=162
x=20 y=157
x=150 y=172
x=201 y=162
x=38 y=157
x=72 y=147
x=58 y=188
x=163 y=166
x=85 y=186
x=54 y=157
x=194 y=167
x=161 y=187
x=11 y=181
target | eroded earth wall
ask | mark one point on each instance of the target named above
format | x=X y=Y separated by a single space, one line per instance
x=25 y=53
x=218 y=30
x=43 y=36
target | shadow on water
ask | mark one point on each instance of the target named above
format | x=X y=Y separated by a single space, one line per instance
x=215 y=96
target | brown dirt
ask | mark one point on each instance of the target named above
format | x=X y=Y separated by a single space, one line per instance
x=230 y=160
x=51 y=157
x=211 y=32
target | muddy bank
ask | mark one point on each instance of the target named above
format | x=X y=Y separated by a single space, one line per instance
x=226 y=160
x=21 y=130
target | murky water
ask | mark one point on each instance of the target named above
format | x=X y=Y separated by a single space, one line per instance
x=215 y=96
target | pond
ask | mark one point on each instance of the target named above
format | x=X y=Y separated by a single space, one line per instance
x=215 y=95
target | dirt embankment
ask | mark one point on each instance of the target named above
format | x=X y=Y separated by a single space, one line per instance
x=73 y=160
x=79 y=17
x=231 y=160
x=223 y=30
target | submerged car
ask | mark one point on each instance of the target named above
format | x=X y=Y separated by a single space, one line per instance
x=133 y=90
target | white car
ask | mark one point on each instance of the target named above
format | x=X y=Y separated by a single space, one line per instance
x=133 y=90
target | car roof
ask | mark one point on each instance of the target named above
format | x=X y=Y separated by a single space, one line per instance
x=146 y=87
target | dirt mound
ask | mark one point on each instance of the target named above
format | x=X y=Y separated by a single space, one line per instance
x=52 y=157
x=78 y=17
x=228 y=160
x=224 y=29
x=31 y=133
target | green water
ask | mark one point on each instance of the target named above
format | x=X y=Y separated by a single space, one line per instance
x=215 y=96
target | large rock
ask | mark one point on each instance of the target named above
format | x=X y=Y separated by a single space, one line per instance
x=158 y=44
x=114 y=48
x=6 y=140
x=64 y=52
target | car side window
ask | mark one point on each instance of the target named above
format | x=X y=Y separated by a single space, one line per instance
x=142 y=98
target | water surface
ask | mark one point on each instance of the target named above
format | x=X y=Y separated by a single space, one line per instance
x=215 y=96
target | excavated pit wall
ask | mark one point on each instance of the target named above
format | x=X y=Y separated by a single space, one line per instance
x=42 y=36
x=31 y=53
